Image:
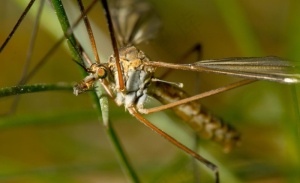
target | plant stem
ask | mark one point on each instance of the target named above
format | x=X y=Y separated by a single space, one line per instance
x=23 y=89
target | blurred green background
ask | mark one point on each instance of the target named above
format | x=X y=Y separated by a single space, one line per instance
x=56 y=136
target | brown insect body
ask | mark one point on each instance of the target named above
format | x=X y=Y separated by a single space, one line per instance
x=196 y=116
x=136 y=77
x=129 y=78
x=139 y=84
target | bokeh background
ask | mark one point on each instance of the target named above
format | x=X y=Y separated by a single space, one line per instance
x=56 y=137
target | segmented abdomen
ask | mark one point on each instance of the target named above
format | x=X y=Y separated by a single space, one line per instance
x=195 y=115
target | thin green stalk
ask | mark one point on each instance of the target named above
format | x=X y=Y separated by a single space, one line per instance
x=104 y=109
x=100 y=100
x=64 y=22
x=121 y=154
x=23 y=89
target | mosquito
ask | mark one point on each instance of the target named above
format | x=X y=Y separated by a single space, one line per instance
x=120 y=78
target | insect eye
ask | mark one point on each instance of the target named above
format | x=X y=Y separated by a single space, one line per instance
x=101 y=72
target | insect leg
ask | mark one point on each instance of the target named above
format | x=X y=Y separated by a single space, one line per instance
x=16 y=100
x=89 y=30
x=114 y=43
x=207 y=163
x=196 y=49
x=197 y=97
x=17 y=25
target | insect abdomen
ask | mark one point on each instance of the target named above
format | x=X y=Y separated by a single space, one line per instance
x=195 y=115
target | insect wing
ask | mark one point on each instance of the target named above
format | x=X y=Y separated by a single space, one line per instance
x=134 y=21
x=265 y=68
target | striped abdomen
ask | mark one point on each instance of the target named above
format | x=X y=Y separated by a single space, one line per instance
x=195 y=115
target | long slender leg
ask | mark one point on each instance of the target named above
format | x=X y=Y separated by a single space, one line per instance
x=90 y=31
x=25 y=77
x=114 y=43
x=207 y=163
x=68 y=32
x=196 y=49
x=197 y=97
x=196 y=172
x=29 y=52
x=103 y=104
x=17 y=25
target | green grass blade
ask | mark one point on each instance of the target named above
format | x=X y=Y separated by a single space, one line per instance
x=65 y=25
x=23 y=89
x=100 y=101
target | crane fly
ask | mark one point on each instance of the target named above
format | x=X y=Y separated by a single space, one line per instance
x=128 y=78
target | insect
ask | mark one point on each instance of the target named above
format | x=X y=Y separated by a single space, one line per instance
x=271 y=58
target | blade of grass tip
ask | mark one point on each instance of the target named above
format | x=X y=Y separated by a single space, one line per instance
x=239 y=27
x=292 y=52
x=23 y=89
x=100 y=100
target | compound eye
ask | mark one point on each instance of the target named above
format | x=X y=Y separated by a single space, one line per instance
x=101 y=72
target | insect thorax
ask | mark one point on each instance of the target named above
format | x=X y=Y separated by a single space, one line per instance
x=136 y=75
